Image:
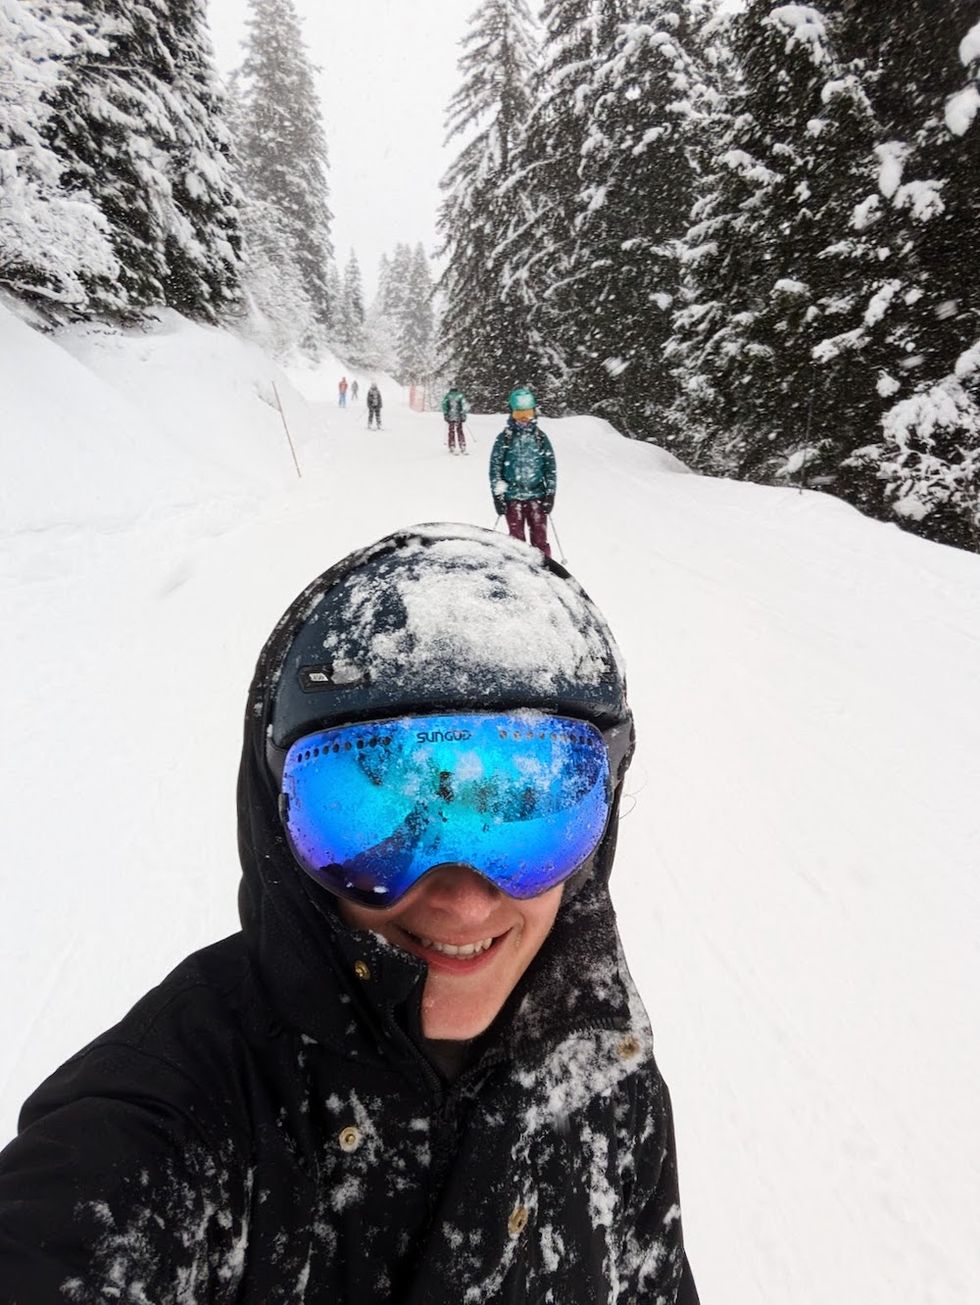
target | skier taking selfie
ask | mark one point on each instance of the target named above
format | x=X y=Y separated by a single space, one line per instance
x=420 y=1072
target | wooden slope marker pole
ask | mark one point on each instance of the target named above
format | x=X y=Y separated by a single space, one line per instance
x=285 y=427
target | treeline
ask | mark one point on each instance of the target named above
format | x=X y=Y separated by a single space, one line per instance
x=296 y=295
x=131 y=179
x=748 y=232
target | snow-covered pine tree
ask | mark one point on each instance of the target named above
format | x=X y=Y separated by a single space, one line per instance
x=824 y=328
x=486 y=331
x=384 y=280
x=136 y=121
x=645 y=104
x=53 y=240
x=379 y=341
x=354 y=289
x=394 y=287
x=279 y=314
x=703 y=333
x=779 y=275
x=107 y=126
x=923 y=64
x=415 y=322
x=349 y=319
x=203 y=241
x=283 y=146
x=335 y=291
x=380 y=325
x=542 y=241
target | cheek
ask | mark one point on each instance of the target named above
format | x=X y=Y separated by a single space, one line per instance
x=349 y=913
x=539 y=916
x=360 y=917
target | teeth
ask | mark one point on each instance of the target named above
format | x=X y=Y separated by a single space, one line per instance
x=448 y=949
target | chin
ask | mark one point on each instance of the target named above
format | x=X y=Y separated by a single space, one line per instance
x=447 y=1020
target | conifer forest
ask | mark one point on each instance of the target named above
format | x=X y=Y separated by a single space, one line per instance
x=745 y=231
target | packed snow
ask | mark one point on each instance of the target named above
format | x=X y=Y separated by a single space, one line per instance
x=490 y=632
x=797 y=868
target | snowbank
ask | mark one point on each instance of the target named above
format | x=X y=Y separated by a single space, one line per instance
x=797 y=866
x=102 y=425
x=74 y=448
x=211 y=397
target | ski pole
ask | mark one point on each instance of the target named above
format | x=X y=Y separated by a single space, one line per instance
x=468 y=435
x=289 y=437
x=561 y=551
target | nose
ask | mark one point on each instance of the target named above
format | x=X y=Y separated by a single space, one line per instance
x=460 y=893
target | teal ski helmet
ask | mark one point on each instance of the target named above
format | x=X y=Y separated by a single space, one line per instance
x=520 y=398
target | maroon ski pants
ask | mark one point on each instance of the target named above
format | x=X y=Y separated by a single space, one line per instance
x=456 y=428
x=529 y=513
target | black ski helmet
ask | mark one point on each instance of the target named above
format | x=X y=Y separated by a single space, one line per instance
x=439 y=618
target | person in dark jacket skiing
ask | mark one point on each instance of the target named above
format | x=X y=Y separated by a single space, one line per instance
x=374 y=405
x=523 y=474
x=421 y=1072
x=455 y=412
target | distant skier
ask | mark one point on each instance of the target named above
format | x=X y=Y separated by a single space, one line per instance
x=374 y=406
x=342 y=392
x=355 y=390
x=523 y=474
x=455 y=411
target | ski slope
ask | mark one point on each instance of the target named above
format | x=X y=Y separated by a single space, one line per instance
x=797 y=875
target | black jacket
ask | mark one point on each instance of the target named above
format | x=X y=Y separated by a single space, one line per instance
x=264 y=1126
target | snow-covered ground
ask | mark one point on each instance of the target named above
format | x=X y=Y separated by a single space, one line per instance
x=799 y=864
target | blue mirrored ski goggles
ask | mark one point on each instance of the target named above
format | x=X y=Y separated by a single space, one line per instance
x=522 y=798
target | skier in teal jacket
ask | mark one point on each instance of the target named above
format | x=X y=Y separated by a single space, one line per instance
x=523 y=475
x=455 y=411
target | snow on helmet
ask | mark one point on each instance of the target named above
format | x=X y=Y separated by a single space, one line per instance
x=438 y=618
x=521 y=398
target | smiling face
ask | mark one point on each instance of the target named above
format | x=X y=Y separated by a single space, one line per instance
x=476 y=941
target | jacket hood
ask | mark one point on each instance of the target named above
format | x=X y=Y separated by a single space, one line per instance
x=303 y=952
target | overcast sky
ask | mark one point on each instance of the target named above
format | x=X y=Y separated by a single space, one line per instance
x=388 y=70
